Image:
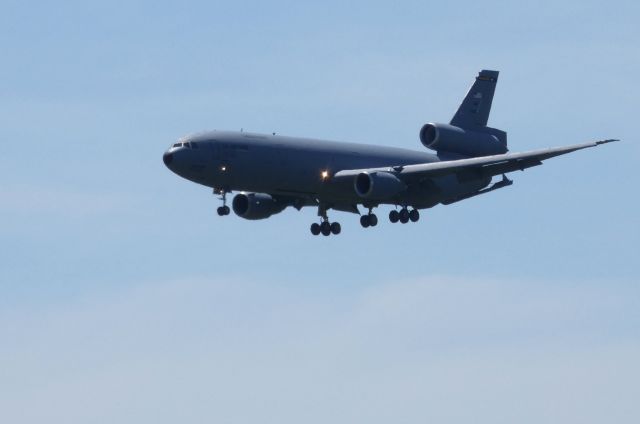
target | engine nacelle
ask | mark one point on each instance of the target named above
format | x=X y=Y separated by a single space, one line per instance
x=378 y=185
x=447 y=138
x=256 y=206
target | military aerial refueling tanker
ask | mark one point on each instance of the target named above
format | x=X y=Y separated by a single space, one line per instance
x=273 y=172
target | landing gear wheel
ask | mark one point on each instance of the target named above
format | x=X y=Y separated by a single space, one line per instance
x=404 y=216
x=315 y=228
x=394 y=216
x=325 y=228
x=364 y=221
x=224 y=209
x=373 y=220
x=414 y=215
x=335 y=228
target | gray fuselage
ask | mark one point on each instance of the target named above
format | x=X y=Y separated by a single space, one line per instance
x=300 y=167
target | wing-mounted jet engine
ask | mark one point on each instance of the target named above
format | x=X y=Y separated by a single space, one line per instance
x=378 y=185
x=255 y=206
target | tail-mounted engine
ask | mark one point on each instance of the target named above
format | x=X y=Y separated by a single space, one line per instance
x=484 y=141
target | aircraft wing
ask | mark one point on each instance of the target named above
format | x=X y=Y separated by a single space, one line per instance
x=473 y=168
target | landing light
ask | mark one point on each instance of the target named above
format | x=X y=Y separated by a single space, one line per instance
x=223 y=168
x=324 y=174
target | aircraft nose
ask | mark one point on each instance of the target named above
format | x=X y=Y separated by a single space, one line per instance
x=167 y=158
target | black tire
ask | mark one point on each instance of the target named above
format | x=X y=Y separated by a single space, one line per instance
x=325 y=228
x=221 y=211
x=394 y=216
x=335 y=228
x=364 y=221
x=226 y=210
x=404 y=216
x=315 y=228
x=373 y=220
x=414 y=215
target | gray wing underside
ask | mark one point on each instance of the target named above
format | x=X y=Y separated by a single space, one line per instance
x=473 y=168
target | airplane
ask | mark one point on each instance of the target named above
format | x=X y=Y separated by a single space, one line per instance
x=272 y=172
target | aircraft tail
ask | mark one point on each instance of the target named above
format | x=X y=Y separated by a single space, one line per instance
x=473 y=113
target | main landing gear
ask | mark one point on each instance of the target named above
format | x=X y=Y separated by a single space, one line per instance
x=404 y=215
x=224 y=209
x=325 y=228
x=369 y=220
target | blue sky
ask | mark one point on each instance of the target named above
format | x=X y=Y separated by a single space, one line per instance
x=123 y=297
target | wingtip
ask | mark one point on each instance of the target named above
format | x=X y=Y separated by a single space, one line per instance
x=610 y=140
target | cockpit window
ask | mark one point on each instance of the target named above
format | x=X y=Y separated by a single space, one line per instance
x=187 y=144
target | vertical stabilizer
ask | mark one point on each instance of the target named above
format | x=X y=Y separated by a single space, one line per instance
x=473 y=113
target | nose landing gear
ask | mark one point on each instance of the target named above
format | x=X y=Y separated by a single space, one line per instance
x=224 y=209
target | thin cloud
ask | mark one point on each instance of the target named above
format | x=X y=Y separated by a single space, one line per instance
x=446 y=349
